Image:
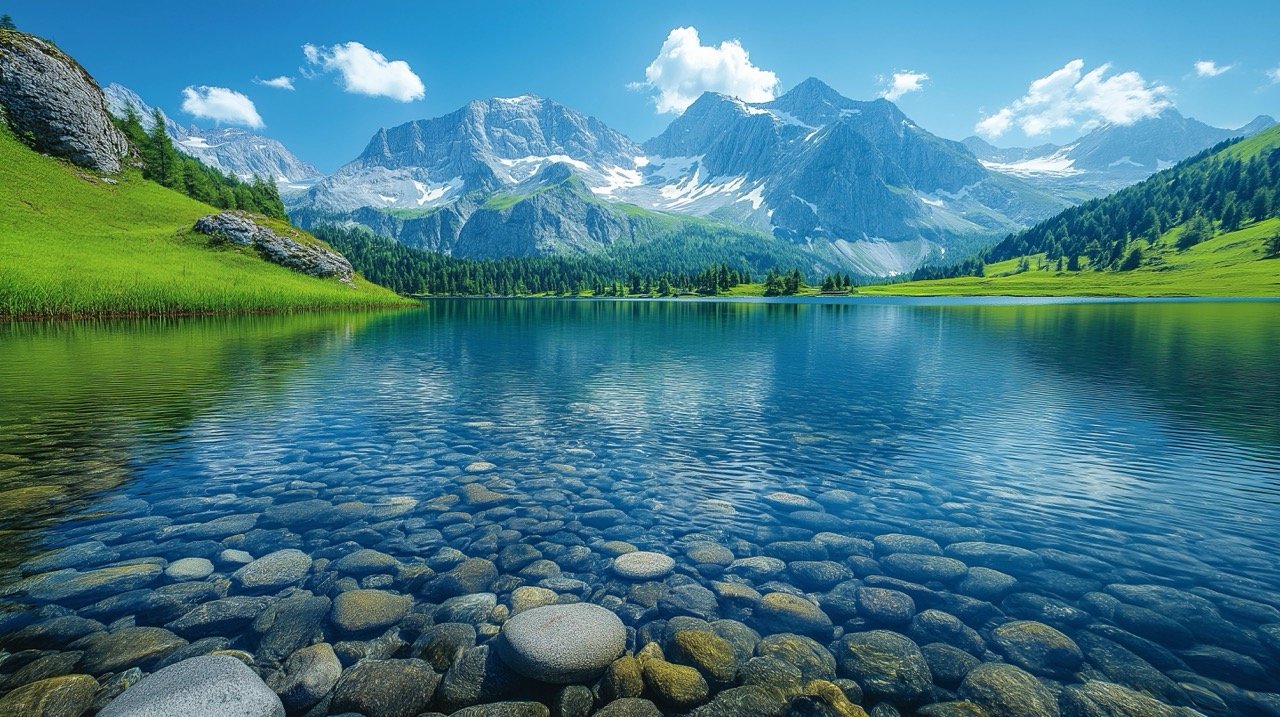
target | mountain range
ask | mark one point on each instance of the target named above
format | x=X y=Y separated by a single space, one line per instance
x=857 y=185
x=1109 y=157
x=233 y=151
x=849 y=185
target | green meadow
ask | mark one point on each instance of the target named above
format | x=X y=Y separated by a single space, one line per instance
x=74 y=245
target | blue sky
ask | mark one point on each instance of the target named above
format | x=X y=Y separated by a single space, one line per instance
x=980 y=62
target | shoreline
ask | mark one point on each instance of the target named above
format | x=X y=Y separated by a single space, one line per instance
x=187 y=314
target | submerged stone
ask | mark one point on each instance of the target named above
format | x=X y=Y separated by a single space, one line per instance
x=782 y=612
x=65 y=696
x=1038 y=648
x=358 y=611
x=211 y=686
x=643 y=565
x=887 y=666
x=309 y=674
x=128 y=647
x=273 y=571
x=562 y=644
x=386 y=688
x=1008 y=691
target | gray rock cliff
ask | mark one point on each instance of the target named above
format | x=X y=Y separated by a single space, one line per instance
x=51 y=101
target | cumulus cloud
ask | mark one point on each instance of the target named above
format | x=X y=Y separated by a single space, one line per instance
x=283 y=82
x=220 y=105
x=1209 y=68
x=901 y=83
x=685 y=68
x=1071 y=97
x=367 y=72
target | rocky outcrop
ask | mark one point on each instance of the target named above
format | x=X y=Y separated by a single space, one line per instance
x=307 y=258
x=51 y=101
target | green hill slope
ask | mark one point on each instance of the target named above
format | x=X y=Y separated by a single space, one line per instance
x=1207 y=227
x=73 y=245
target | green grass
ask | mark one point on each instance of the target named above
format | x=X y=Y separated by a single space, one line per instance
x=1264 y=141
x=1231 y=264
x=72 y=245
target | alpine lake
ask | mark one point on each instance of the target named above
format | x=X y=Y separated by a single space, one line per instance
x=786 y=508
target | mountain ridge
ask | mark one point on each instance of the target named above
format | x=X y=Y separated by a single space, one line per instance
x=231 y=150
x=757 y=165
x=1111 y=156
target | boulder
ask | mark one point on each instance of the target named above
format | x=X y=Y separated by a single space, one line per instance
x=357 y=611
x=50 y=99
x=65 y=696
x=1038 y=648
x=643 y=565
x=127 y=647
x=273 y=571
x=1007 y=691
x=309 y=674
x=887 y=665
x=386 y=688
x=562 y=644
x=307 y=257
x=783 y=612
x=208 y=686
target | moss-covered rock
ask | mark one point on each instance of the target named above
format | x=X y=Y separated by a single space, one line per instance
x=825 y=698
x=813 y=660
x=784 y=612
x=678 y=686
x=66 y=696
x=622 y=679
x=129 y=647
x=358 y=611
x=887 y=665
x=1008 y=691
x=1038 y=648
x=707 y=652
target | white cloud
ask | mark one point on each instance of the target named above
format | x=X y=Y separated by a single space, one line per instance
x=1274 y=75
x=1209 y=68
x=283 y=82
x=1070 y=97
x=368 y=72
x=901 y=83
x=220 y=105
x=685 y=68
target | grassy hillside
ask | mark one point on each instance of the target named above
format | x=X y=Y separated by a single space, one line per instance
x=1202 y=228
x=1230 y=264
x=71 y=244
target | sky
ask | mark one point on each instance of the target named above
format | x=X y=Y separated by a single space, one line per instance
x=323 y=76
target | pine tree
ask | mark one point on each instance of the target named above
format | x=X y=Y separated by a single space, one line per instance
x=1198 y=229
x=1133 y=260
x=162 y=160
x=6 y=22
x=1272 y=247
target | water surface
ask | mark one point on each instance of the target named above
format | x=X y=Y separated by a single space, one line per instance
x=1126 y=443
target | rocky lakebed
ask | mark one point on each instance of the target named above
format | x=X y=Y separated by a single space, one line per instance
x=536 y=592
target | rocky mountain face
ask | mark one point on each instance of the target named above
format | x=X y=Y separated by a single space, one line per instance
x=855 y=179
x=1110 y=157
x=233 y=151
x=856 y=184
x=484 y=147
x=52 y=102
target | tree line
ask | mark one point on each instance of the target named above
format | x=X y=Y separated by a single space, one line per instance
x=1203 y=194
x=164 y=164
x=407 y=270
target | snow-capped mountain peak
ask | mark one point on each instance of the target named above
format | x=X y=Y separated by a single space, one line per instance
x=234 y=151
